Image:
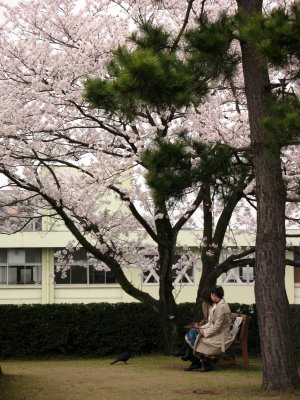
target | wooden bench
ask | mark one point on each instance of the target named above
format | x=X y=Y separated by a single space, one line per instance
x=241 y=340
x=240 y=343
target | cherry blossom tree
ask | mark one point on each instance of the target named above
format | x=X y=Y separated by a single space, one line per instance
x=103 y=169
x=49 y=50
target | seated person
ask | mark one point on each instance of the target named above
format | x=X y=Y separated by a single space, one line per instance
x=207 y=303
x=191 y=335
x=215 y=336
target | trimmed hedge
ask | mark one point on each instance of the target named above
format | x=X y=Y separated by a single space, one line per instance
x=99 y=328
x=77 y=329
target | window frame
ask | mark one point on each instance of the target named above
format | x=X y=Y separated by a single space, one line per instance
x=22 y=267
x=87 y=265
x=177 y=278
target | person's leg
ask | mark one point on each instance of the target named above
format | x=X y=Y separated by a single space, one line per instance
x=182 y=350
x=206 y=365
x=188 y=355
x=196 y=364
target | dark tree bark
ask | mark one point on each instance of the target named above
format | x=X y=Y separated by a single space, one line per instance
x=166 y=244
x=166 y=302
x=279 y=366
x=214 y=238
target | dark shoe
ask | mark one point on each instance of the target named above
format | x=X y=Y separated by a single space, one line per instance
x=186 y=357
x=192 y=367
x=206 y=366
x=177 y=353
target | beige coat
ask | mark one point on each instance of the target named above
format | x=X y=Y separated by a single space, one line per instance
x=217 y=337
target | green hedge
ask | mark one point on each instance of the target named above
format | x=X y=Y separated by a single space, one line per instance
x=98 y=329
x=78 y=329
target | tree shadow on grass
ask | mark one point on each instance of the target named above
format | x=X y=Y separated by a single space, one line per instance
x=16 y=387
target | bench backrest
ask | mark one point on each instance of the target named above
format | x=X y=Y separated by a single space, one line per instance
x=242 y=333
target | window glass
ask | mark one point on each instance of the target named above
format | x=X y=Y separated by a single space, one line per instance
x=239 y=275
x=14 y=275
x=243 y=275
x=185 y=275
x=37 y=224
x=22 y=266
x=36 y=274
x=59 y=279
x=80 y=255
x=27 y=275
x=33 y=256
x=16 y=256
x=96 y=276
x=182 y=274
x=110 y=277
x=296 y=269
x=150 y=277
x=81 y=271
x=3 y=275
x=3 y=256
x=78 y=274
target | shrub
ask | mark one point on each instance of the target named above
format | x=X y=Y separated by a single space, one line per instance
x=100 y=328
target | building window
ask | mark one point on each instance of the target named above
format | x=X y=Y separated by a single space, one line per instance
x=150 y=277
x=238 y=276
x=15 y=218
x=297 y=269
x=79 y=269
x=183 y=274
x=243 y=275
x=20 y=266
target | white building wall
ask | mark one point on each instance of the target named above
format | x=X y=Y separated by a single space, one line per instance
x=48 y=292
x=297 y=294
x=20 y=295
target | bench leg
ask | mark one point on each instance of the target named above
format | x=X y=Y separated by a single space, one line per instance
x=245 y=354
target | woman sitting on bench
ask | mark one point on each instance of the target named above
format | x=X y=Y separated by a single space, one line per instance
x=215 y=337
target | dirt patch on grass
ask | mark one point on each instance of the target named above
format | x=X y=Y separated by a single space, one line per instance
x=195 y=391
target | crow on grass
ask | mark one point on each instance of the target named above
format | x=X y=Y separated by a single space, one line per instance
x=123 y=357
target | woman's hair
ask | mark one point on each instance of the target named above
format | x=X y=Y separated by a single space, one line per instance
x=206 y=295
x=218 y=291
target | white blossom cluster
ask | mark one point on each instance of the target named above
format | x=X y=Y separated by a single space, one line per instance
x=85 y=162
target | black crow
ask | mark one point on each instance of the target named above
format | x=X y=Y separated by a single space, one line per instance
x=123 y=357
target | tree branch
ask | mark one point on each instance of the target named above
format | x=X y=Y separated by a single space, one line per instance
x=135 y=213
x=185 y=22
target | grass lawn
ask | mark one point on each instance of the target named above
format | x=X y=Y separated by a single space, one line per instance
x=143 y=378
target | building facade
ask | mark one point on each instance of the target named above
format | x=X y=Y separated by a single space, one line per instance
x=28 y=273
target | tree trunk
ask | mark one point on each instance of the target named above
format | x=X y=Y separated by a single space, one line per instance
x=169 y=327
x=214 y=238
x=167 y=305
x=279 y=366
x=208 y=261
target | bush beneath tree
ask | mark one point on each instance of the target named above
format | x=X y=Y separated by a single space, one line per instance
x=100 y=329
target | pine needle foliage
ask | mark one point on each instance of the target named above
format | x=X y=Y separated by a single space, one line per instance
x=283 y=122
x=154 y=76
x=152 y=37
x=169 y=170
x=275 y=36
x=148 y=76
x=209 y=47
x=174 y=168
